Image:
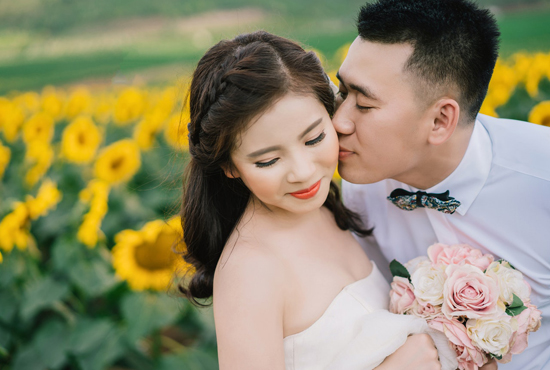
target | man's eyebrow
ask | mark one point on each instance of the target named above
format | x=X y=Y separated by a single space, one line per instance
x=362 y=89
x=278 y=147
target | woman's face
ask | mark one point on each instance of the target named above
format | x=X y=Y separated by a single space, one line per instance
x=287 y=156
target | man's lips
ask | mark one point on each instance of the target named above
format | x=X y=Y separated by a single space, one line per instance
x=344 y=153
x=307 y=193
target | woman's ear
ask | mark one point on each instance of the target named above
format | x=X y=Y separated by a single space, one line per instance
x=445 y=120
x=230 y=171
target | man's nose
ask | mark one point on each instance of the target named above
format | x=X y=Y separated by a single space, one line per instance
x=342 y=122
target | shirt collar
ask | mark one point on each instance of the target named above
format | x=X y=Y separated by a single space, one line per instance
x=470 y=176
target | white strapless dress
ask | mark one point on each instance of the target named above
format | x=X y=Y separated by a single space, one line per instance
x=358 y=332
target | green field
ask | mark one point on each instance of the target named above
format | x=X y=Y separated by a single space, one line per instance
x=106 y=42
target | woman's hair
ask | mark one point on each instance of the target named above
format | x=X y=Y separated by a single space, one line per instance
x=235 y=81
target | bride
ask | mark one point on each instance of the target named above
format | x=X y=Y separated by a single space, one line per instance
x=265 y=228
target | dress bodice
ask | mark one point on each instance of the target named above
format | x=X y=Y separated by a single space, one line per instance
x=356 y=331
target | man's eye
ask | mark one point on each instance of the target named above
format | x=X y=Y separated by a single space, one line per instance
x=318 y=139
x=266 y=164
x=362 y=108
x=342 y=94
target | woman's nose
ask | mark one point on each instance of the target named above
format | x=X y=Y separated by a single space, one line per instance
x=302 y=169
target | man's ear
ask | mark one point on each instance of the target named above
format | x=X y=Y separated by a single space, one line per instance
x=230 y=171
x=445 y=120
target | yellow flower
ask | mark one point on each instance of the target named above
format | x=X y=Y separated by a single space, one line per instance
x=14 y=228
x=103 y=108
x=53 y=102
x=342 y=53
x=540 y=114
x=5 y=155
x=129 y=106
x=146 y=131
x=79 y=102
x=118 y=162
x=11 y=119
x=145 y=258
x=176 y=131
x=1 y=258
x=80 y=140
x=40 y=156
x=40 y=127
x=488 y=109
x=97 y=194
x=47 y=198
x=29 y=102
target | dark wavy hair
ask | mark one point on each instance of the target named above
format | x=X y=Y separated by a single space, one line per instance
x=455 y=42
x=235 y=81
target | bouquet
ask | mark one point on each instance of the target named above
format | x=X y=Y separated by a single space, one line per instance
x=481 y=305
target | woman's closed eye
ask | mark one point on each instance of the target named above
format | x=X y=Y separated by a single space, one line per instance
x=266 y=164
x=317 y=140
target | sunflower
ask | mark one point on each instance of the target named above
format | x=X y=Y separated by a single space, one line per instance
x=176 y=131
x=40 y=127
x=29 y=102
x=5 y=155
x=47 y=198
x=40 y=154
x=80 y=140
x=14 y=228
x=129 y=106
x=540 y=114
x=11 y=119
x=53 y=102
x=103 y=108
x=79 y=102
x=97 y=195
x=145 y=258
x=118 y=162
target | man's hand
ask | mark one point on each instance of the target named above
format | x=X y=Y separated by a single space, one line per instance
x=418 y=353
x=491 y=365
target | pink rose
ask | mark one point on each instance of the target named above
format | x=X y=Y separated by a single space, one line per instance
x=426 y=312
x=528 y=320
x=401 y=295
x=468 y=356
x=458 y=254
x=468 y=292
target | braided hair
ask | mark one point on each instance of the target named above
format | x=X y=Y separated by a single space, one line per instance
x=235 y=81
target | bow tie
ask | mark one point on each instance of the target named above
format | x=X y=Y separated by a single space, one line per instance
x=408 y=201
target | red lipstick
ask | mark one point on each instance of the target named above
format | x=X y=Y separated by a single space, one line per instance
x=307 y=193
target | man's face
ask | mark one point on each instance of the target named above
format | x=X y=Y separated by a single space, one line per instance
x=383 y=128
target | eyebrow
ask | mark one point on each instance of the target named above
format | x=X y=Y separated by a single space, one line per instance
x=362 y=89
x=278 y=147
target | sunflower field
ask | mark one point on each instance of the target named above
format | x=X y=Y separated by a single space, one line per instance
x=90 y=237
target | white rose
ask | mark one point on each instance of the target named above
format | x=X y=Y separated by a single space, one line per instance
x=492 y=335
x=428 y=282
x=509 y=281
x=415 y=263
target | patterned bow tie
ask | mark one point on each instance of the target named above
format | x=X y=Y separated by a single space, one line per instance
x=408 y=201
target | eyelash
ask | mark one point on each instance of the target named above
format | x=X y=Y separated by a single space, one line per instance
x=315 y=141
x=343 y=95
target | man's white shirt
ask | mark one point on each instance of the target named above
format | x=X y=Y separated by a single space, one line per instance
x=503 y=185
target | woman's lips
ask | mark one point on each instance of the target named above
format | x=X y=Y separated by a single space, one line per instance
x=307 y=193
x=344 y=153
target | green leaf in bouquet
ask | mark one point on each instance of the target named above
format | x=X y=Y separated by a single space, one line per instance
x=516 y=307
x=41 y=294
x=147 y=311
x=499 y=357
x=397 y=269
x=46 y=350
x=190 y=359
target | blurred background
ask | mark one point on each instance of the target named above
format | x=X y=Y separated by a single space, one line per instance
x=93 y=146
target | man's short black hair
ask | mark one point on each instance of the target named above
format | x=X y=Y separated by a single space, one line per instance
x=455 y=42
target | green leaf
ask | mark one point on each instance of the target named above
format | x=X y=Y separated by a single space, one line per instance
x=397 y=269
x=104 y=354
x=499 y=357
x=10 y=303
x=517 y=302
x=46 y=350
x=190 y=359
x=515 y=311
x=145 y=312
x=41 y=294
x=88 y=334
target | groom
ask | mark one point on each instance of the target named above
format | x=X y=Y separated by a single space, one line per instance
x=411 y=87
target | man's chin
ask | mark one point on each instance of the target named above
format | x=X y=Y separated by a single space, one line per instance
x=356 y=174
